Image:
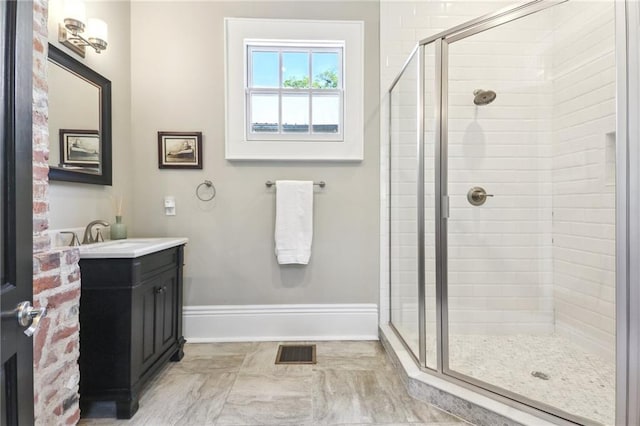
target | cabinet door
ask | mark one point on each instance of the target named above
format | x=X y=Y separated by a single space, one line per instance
x=157 y=316
x=147 y=315
x=166 y=311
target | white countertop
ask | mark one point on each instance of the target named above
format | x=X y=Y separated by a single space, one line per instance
x=128 y=248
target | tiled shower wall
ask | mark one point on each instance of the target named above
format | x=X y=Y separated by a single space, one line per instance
x=499 y=256
x=402 y=23
x=506 y=288
x=539 y=149
x=583 y=75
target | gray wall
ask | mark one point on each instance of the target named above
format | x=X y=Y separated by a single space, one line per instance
x=177 y=63
x=73 y=204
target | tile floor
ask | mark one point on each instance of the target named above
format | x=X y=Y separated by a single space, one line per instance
x=578 y=382
x=353 y=383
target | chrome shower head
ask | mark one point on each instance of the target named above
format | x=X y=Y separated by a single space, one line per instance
x=483 y=97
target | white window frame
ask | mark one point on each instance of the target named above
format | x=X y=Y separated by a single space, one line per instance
x=284 y=46
x=240 y=144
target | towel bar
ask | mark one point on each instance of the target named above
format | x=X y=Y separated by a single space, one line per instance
x=321 y=184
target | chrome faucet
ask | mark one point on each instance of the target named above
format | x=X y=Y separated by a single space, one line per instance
x=75 y=241
x=88 y=235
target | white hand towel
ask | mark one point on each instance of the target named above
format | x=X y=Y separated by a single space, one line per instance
x=294 y=221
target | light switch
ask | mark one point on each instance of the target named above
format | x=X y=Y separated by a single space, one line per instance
x=170 y=205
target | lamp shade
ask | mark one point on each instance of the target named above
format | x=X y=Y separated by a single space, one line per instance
x=75 y=10
x=97 y=29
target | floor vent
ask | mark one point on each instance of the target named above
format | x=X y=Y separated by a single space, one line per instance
x=296 y=354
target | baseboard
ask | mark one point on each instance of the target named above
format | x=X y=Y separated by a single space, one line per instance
x=240 y=323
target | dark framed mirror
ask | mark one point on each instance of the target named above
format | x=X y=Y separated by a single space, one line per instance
x=79 y=121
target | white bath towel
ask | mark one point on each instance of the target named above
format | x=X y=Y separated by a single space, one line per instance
x=294 y=221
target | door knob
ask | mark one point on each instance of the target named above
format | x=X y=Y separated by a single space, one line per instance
x=477 y=196
x=27 y=315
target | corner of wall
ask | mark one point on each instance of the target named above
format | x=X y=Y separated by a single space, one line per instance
x=56 y=273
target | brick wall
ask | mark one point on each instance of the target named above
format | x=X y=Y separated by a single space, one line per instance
x=56 y=274
x=56 y=345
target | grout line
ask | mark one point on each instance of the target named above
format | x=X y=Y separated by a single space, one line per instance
x=226 y=397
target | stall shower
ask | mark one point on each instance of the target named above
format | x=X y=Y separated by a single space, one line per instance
x=502 y=206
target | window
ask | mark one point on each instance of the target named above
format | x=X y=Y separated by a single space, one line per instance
x=294 y=89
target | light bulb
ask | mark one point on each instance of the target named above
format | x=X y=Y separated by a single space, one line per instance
x=75 y=15
x=97 y=29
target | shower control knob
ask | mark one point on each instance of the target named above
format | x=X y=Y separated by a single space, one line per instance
x=477 y=196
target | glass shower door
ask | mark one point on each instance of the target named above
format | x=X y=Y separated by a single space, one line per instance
x=403 y=199
x=530 y=235
x=414 y=101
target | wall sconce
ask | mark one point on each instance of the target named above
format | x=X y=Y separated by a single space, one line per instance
x=70 y=32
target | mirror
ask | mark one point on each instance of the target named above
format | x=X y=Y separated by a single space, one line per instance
x=79 y=121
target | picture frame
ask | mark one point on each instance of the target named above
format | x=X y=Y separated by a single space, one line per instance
x=180 y=150
x=80 y=148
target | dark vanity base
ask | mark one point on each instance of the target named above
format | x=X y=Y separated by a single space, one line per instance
x=180 y=352
x=127 y=402
x=130 y=326
x=126 y=409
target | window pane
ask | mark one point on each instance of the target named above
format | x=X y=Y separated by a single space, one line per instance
x=295 y=69
x=325 y=70
x=265 y=69
x=264 y=113
x=326 y=114
x=295 y=114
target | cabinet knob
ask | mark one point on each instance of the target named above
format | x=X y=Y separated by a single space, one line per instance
x=159 y=290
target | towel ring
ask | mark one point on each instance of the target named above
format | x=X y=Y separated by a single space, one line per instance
x=208 y=184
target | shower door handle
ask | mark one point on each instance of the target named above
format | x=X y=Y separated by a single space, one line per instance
x=477 y=196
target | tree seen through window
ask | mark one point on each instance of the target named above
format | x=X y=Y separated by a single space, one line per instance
x=295 y=91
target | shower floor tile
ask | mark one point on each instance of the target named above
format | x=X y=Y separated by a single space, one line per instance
x=577 y=382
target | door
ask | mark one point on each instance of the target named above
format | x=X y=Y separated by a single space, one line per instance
x=166 y=290
x=530 y=177
x=412 y=261
x=16 y=387
x=156 y=310
x=145 y=309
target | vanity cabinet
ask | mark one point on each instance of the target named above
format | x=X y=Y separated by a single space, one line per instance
x=130 y=325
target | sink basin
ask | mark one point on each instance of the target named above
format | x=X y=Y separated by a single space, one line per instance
x=128 y=248
x=120 y=244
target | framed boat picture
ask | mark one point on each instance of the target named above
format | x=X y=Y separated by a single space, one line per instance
x=79 y=148
x=180 y=150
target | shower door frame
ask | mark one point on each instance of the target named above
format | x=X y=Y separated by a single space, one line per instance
x=627 y=22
